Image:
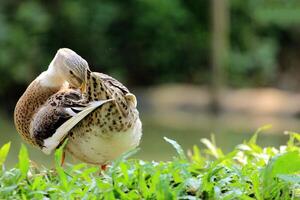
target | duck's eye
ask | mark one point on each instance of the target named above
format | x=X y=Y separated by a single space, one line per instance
x=74 y=77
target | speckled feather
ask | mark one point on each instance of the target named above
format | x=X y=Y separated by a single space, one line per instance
x=53 y=114
x=113 y=118
x=25 y=109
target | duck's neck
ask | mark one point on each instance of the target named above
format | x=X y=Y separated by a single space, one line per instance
x=28 y=104
x=33 y=98
x=50 y=78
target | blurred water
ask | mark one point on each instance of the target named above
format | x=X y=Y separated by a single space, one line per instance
x=186 y=128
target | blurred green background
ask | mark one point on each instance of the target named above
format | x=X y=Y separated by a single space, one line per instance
x=173 y=55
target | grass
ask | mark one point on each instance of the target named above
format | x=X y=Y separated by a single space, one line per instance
x=248 y=172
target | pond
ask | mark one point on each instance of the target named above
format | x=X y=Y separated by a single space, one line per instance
x=187 y=128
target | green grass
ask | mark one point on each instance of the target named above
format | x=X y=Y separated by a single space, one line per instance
x=248 y=172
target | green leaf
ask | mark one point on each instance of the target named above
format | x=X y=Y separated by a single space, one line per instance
x=259 y=130
x=177 y=147
x=287 y=163
x=8 y=188
x=124 y=170
x=294 y=179
x=291 y=144
x=3 y=153
x=197 y=158
x=121 y=158
x=60 y=171
x=142 y=183
x=253 y=139
x=23 y=161
x=212 y=148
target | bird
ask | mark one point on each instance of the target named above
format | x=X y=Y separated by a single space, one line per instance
x=96 y=113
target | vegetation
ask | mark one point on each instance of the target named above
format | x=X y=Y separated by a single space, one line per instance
x=248 y=172
x=168 y=39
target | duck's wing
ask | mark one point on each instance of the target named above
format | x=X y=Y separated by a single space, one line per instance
x=62 y=131
x=52 y=123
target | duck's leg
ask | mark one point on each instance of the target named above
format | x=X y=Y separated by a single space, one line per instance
x=63 y=156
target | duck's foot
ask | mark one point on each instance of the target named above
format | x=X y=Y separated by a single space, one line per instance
x=103 y=167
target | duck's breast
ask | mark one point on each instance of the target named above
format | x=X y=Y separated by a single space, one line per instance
x=94 y=147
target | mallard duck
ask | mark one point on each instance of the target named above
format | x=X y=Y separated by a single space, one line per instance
x=94 y=111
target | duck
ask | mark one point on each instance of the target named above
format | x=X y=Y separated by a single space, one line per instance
x=94 y=112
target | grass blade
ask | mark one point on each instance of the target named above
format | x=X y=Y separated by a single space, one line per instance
x=23 y=161
x=60 y=171
x=3 y=153
x=177 y=147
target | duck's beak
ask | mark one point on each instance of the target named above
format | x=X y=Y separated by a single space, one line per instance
x=83 y=87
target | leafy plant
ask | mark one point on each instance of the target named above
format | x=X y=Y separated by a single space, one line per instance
x=248 y=172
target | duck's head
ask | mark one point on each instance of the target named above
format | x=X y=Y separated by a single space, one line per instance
x=67 y=66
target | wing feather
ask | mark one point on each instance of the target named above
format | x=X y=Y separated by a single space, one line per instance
x=61 y=133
